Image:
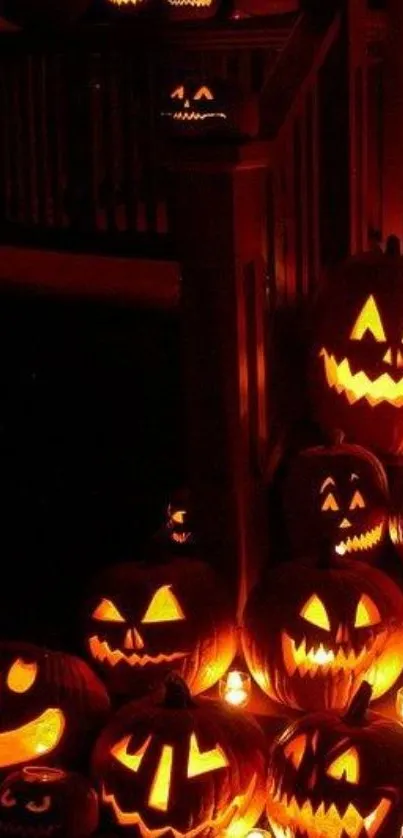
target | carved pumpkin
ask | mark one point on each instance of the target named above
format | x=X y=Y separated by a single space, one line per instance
x=44 y=12
x=176 y=765
x=195 y=106
x=311 y=635
x=38 y=801
x=337 y=494
x=191 y=9
x=146 y=619
x=50 y=704
x=333 y=776
x=357 y=364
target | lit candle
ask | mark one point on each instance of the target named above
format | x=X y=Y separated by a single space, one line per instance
x=235 y=688
x=258 y=833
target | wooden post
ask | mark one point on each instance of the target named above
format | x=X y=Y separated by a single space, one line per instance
x=393 y=123
x=218 y=215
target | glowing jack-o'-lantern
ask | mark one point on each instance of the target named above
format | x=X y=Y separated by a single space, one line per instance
x=332 y=776
x=337 y=494
x=50 y=705
x=311 y=635
x=38 y=801
x=181 y=766
x=194 y=106
x=198 y=107
x=148 y=619
x=357 y=360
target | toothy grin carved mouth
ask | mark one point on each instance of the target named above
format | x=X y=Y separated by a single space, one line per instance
x=32 y=740
x=359 y=386
x=357 y=543
x=320 y=660
x=192 y=116
x=322 y=820
x=241 y=803
x=100 y=650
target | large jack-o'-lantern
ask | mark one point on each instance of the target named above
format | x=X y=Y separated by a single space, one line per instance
x=179 y=766
x=50 y=705
x=357 y=362
x=43 y=802
x=337 y=494
x=146 y=619
x=332 y=776
x=311 y=635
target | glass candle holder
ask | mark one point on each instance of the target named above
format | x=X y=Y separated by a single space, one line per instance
x=258 y=833
x=399 y=704
x=235 y=688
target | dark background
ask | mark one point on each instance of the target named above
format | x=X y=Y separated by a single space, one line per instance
x=91 y=445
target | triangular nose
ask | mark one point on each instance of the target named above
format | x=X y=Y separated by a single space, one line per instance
x=387 y=358
x=133 y=640
x=342 y=635
x=345 y=524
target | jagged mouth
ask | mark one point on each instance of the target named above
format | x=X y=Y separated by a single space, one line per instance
x=101 y=651
x=358 y=386
x=239 y=805
x=35 y=831
x=357 y=543
x=192 y=116
x=320 y=660
x=32 y=740
x=289 y=818
x=194 y=3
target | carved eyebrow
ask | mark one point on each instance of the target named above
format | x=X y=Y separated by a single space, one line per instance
x=328 y=482
x=339 y=747
x=354 y=477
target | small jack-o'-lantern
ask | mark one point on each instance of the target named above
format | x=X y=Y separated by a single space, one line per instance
x=146 y=619
x=176 y=765
x=338 y=494
x=311 y=635
x=50 y=705
x=198 y=107
x=333 y=776
x=41 y=802
x=357 y=363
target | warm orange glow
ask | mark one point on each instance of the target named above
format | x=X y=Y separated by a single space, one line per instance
x=106 y=611
x=357 y=501
x=369 y=320
x=43 y=806
x=328 y=482
x=35 y=739
x=200 y=762
x=178 y=517
x=43 y=774
x=399 y=703
x=100 y=650
x=203 y=93
x=159 y=794
x=359 y=386
x=235 y=688
x=365 y=541
x=164 y=607
x=130 y=761
x=315 y=612
x=295 y=750
x=21 y=676
x=288 y=817
x=367 y=613
x=346 y=767
x=235 y=821
x=178 y=93
x=330 y=503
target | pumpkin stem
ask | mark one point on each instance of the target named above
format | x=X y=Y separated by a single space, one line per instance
x=337 y=438
x=392 y=246
x=356 y=712
x=177 y=694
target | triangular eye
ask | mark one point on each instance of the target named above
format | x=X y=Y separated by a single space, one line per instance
x=368 y=320
x=130 y=761
x=295 y=750
x=201 y=762
x=164 y=607
x=203 y=93
x=357 y=501
x=346 y=767
x=107 y=612
x=330 y=503
x=367 y=613
x=178 y=93
x=315 y=612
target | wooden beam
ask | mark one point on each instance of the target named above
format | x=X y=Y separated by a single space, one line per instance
x=138 y=281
